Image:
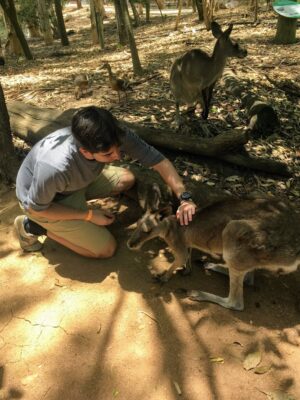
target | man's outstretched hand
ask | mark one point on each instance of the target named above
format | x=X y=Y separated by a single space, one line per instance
x=102 y=217
x=185 y=212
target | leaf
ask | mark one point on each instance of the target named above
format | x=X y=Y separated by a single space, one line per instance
x=262 y=369
x=217 y=360
x=177 y=387
x=238 y=344
x=252 y=360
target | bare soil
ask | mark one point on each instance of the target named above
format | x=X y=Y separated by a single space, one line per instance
x=79 y=329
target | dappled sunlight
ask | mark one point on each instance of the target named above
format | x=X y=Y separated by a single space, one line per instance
x=103 y=329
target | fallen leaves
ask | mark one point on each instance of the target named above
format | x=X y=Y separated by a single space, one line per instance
x=252 y=360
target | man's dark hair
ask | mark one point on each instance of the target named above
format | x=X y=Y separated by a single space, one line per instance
x=96 y=129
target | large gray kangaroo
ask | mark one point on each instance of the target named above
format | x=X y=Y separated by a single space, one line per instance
x=193 y=76
x=248 y=234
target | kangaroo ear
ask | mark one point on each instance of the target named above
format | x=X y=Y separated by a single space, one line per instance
x=228 y=30
x=166 y=211
x=216 y=29
x=156 y=197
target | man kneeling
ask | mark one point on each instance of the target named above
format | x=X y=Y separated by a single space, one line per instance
x=69 y=167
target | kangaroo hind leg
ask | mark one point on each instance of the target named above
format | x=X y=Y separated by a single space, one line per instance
x=239 y=260
x=235 y=299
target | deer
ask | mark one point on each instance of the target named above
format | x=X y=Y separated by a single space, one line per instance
x=248 y=234
x=194 y=75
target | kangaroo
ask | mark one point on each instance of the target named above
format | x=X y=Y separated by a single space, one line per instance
x=248 y=234
x=193 y=76
x=81 y=84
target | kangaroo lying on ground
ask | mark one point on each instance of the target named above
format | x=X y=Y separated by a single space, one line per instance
x=247 y=234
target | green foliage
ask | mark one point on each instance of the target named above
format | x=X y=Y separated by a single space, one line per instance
x=27 y=11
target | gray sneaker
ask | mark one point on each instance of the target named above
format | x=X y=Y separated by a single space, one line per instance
x=28 y=242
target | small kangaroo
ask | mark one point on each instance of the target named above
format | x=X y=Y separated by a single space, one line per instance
x=248 y=234
x=193 y=76
x=81 y=84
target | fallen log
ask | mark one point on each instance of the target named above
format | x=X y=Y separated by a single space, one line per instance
x=32 y=123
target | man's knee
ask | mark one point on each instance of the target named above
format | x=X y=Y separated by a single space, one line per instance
x=108 y=251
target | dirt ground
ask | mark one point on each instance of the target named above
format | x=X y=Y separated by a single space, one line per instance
x=73 y=328
x=78 y=329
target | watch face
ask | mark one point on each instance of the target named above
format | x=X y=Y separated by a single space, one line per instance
x=185 y=196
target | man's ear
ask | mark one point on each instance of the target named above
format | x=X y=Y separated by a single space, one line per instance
x=87 y=154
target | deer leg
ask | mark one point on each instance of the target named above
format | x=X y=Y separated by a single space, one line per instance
x=235 y=299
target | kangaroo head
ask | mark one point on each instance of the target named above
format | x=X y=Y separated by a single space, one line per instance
x=227 y=46
x=151 y=225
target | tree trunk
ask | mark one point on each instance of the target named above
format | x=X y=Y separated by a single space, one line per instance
x=178 y=15
x=1 y=52
x=147 y=6
x=45 y=22
x=160 y=5
x=199 y=10
x=9 y=9
x=137 y=68
x=79 y=5
x=207 y=12
x=136 y=16
x=53 y=22
x=8 y=160
x=12 y=44
x=34 y=30
x=61 y=23
x=122 y=34
x=286 y=30
x=32 y=124
x=97 y=16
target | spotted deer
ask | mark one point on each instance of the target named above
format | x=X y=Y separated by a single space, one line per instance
x=247 y=234
x=194 y=75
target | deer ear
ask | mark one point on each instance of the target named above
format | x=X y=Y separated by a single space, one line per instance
x=228 y=30
x=216 y=29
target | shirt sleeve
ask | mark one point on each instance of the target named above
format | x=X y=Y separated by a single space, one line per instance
x=46 y=182
x=139 y=150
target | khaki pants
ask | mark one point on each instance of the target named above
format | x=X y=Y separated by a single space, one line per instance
x=84 y=233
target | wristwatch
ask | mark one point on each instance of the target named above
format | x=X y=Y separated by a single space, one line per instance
x=185 y=196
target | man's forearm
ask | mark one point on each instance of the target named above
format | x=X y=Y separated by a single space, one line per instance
x=169 y=174
x=59 y=212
